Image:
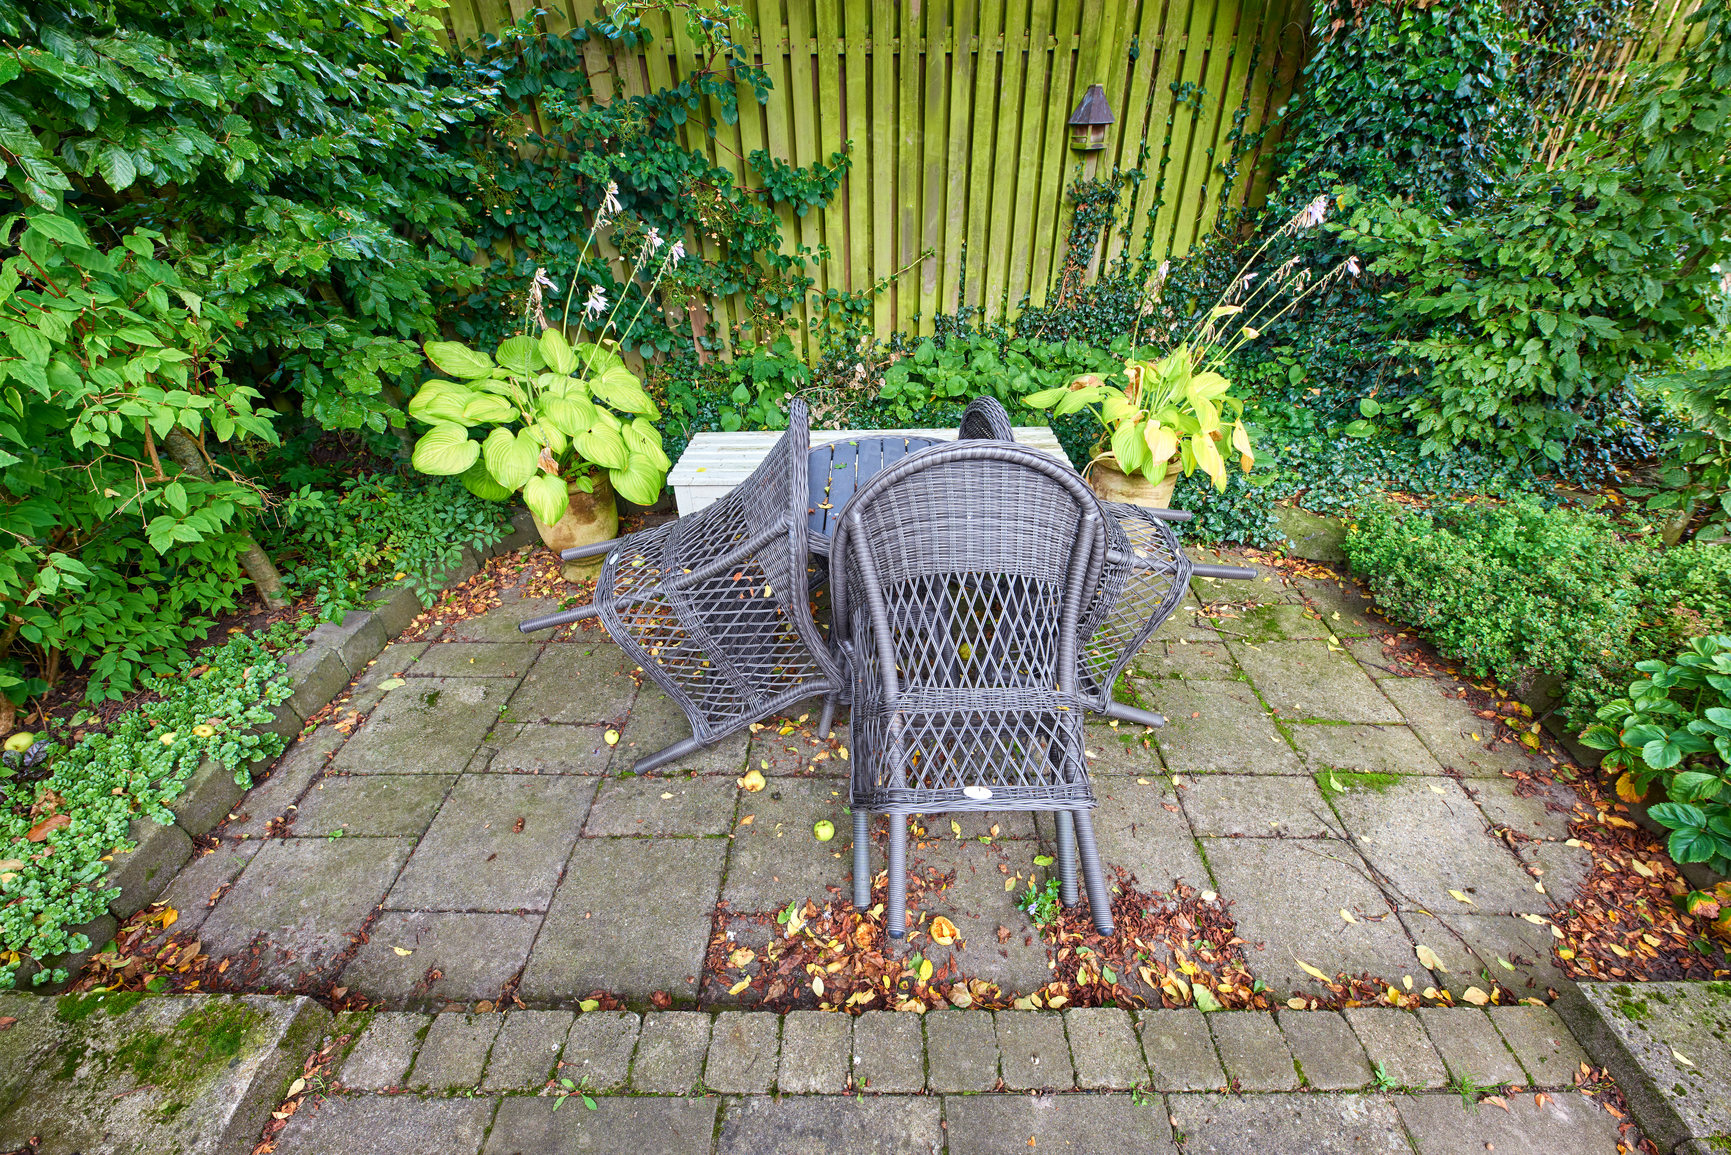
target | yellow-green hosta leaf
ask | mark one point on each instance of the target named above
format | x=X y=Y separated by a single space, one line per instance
x=511 y=457
x=642 y=437
x=556 y=352
x=1155 y=470
x=619 y=388
x=520 y=355
x=550 y=435
x=439 y=401
x=1207 y=417
x=546 y=496
x=487 y=409
x=562 y=414
x=1162 y=442
x=1208 y=459
x=1210 y=385
x=458 y=360
x=1045 y=398
x=1241 y=442
x=444 y=450
x=1076 y=398
x=593 y=359
x=639 y=481
x=479 y=482
x=1128 y=447
x=604 y=446
x=1116 y=407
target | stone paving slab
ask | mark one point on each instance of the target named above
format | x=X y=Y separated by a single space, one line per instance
x=1362 y=749
x=426 y=726
x=598 y=1050
x=982 y=1125
x=453 y=1053
x=889 y=1053
x=1180 y=1050
x=606 y=931
x=1470 y=1046
x=1104 y=1049
x=1398 y=828
x=1218 y=727
x=403 y=1126
x=499 y=843
x=1301 y=680
x=1396 y=1045
x=527 y=1126
x=525 y=1049
x=476 y=659
x=822 y=1125
x=1313 y=1124
x=977 y=903
x=1566 y=1124
x=1541 y=1043
x=1324 y=1049
x=549 y=748
x=961 y=1052
x=474 y=955
x=1254 y=1052
x=671 y=1048
x=774 y=858
x=1033 y=1052
x=372 y=805
x=1257 y=806
x=816 y=1052
x=582 y=684
x=304 y=896
x=655 y=806
x=381 y=1057
x=1287 y=895
x=1459 y=739
x=655 y=723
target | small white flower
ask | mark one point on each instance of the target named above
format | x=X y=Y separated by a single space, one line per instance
x=676 y=253
x=596 y=304
x=1245 y=283
x=1314 y=213
x=610 y=201
x=652 y=240
x=542 y=279
x=1353 y=267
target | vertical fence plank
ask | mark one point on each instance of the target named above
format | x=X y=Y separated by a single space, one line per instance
x=934 y=156
x=987 y=94
x=1029 y=150
x=886 y=144
x=1013 y=65
x=1056 y=160
x=831 y=138
x=908 y=170
x=856 y=69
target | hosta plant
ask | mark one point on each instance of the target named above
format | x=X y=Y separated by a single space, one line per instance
x=1675 y=728
x=1170 y=409
x=538 y=414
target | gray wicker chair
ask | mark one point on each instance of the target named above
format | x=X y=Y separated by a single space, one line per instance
x=713 y=606
x=963 y=578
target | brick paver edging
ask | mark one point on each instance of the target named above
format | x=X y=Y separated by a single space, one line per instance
x=335 y=653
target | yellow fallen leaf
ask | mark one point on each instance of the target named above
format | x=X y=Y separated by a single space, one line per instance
x=588 y=1005
x=1533 y=918
x=402 y=953
x=1427 y=958
x=169 y=915
x=1681 y=1058
x=611 y=737
x=1296 y=1004
x=1497 y=1101
x=1435 y=789
x=1460 y=896
x=738 y=986
x=943 y=931
x=742 y=956
x=1309 y=970
x=1641 y=868
x=752 y=782
x=1475 y=996
x=1347 y=915
x=955 y=828
x=817 y=986
x=1627 y=790
x=666 y=794
x=924 y=974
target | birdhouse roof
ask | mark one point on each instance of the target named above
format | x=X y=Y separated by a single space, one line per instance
x=1093 y=109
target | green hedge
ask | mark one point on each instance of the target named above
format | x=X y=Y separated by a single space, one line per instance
x=1517 y=591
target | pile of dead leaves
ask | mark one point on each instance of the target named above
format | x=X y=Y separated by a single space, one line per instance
x=836 y=957
x=144 y=957
x=1624 y=924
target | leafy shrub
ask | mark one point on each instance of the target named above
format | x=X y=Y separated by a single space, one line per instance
x=1675 y=726
x=56 y=830
x=1516 y=591
x=338 y=544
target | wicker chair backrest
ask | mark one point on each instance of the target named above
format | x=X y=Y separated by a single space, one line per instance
x=969 y=566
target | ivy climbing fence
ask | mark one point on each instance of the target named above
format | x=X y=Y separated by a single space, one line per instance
x=954 y=114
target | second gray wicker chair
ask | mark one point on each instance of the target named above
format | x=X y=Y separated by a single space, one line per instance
x=963 y=579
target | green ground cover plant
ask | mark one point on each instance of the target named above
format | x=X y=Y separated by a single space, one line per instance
x=62 y=817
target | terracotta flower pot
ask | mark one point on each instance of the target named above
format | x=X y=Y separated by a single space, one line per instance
x=1113 y=484
x=589 y=518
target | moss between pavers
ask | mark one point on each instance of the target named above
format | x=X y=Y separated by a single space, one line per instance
x=1333 y=783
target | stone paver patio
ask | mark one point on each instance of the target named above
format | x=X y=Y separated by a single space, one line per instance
x=478 y=831
x=464 y=833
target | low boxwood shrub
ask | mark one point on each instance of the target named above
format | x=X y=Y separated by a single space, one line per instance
x=62 y=817
x=1517 y=591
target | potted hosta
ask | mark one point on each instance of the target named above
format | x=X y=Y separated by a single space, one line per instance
x=1168 y=416
x=567 y=426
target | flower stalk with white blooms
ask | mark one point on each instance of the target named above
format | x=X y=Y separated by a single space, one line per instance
x=542 y=415
x=1173 y=407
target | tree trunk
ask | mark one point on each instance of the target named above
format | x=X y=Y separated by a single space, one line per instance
x=253 y=558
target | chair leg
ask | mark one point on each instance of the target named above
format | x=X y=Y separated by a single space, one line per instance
x=828 y=719
x=1066 y=858
x=1098 y=898
x=862 y=865
x=665 y=755
x=896 y=916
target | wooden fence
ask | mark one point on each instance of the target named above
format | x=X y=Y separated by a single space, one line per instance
x=954 y=113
